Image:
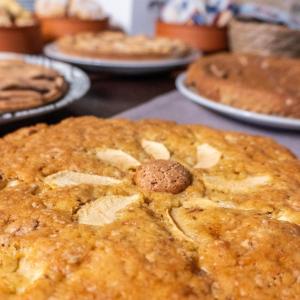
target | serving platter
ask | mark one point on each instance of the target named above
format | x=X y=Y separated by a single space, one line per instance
x=78 y=81
x=134 y=67
x=236 y=113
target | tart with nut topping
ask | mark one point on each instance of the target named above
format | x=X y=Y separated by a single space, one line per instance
x=117 y=45
x=266 y=85
x=115 y=209
x=24 y=85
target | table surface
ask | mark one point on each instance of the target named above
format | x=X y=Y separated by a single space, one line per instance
x=173 y=106
x=109 y=95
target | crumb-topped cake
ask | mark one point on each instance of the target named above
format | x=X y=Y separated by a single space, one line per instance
x=114 y=209
x=117 y=45
x=24 y=85
x=267 y=85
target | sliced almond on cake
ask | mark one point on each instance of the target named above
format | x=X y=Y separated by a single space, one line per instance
x=118 y=158
x=236 y=186
x=105 y=209
x=70 y=178
x=156 y=150
x=31 y=269
x=182 y=226
x=207 y=156
x=13 y=183
x=175 y=227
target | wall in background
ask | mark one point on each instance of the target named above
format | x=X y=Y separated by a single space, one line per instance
x=134 y=16
x=27 y=3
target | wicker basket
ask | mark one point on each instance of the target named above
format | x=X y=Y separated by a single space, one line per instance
x=263 y=38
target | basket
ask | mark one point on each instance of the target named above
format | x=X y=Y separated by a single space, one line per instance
x=263 y=38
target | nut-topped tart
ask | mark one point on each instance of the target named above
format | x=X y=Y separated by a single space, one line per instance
x=24 y=85
x=267 y=85
x=115 y=209
x=117 y=45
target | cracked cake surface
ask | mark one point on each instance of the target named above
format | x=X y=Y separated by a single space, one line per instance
x=75 y=225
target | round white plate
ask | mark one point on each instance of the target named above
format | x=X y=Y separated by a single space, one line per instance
x=120 y=66
x=246 y=116
x=78 y=81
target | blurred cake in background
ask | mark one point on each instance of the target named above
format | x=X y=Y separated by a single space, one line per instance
x=26 y=85
x=19 y=29
x=86 y=10
x=117 y=45
x=63 y=17
x=51 y=8
x=13 y=14
x=81 y=9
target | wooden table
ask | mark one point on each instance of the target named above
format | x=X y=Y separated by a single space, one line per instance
x=109 y=95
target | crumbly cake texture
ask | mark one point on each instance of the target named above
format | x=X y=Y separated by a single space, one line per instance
x=117 y=45
x=77 y=224
x=267 y=85
x=24 y=85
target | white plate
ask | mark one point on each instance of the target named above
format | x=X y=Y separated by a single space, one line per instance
x=120 y=66
x=246 y=116
x=79 y=84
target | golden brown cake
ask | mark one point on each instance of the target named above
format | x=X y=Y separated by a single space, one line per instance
x=117 y=45
x=265 y=85
x=114 y=209
x=24 y=85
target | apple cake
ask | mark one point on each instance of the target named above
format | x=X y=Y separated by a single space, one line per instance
x=117 y=45
x=267 y=85
x=115 y=209
x=24 y=85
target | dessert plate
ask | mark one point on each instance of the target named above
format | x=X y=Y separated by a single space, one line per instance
x=236 y=113
x=78 y=81
x=133 y=67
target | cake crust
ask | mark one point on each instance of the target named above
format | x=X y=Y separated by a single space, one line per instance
x=74 y=225
x=267 y=85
